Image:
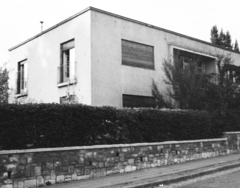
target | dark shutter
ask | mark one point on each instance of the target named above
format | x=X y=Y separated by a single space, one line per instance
x=137 y=55
x=138 y=101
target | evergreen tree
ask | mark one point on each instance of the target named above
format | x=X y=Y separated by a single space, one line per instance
x=236 y=48
x=214 y=35
x=4 y=88
x=222 y=38
x=228 y=41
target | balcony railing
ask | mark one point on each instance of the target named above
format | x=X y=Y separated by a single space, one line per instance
x=66 y=74
x=21 y=84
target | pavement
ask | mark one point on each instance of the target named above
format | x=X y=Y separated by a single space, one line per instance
x=159 y=176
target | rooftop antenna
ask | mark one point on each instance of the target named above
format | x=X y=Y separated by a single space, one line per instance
x=41 y=25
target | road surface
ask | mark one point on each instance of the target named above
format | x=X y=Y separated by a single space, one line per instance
x=231 y=180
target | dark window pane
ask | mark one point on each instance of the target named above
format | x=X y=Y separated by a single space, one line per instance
x=138 y=101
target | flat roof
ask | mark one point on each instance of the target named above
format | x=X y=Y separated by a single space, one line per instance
x=123 y=18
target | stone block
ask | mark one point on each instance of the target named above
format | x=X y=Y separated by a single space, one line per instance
x=134 y=168
x=125 y=149
x=95 y=164
x=135 y=155
x=95 y=173
x=74 y=177
x=78 y=170
x=110 y=172
x=83 y=177
x=13 y=159
x=57 y=164
x=71 y=169
x=67 y=178
x=65 y=168
x=40 y=181
x=21 y=184
x=47 y=177
x=128 y=168
x=7 y=186
x=103 y=172
x=101 y=164
x=37 y=170
x=29 y=160
x=8 y=181
x=49 y=165
x=130 y=161
x=28 y=170
x=22 y=160
x=153 y=165
x=30 y=183
x=106 y=164
x=15 y=184
x=88 y=155
x=87 y=171
x=119 y=164
x=145 y=159
x=60 y=179
x=53 y=174
x=81 y=160
x=45 y=172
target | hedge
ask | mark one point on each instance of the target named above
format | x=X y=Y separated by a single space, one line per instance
x=54 y=125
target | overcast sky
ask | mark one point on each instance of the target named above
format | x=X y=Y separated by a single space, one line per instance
x=20 y=19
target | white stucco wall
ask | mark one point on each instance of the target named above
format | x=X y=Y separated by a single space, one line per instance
x=101 y=77
x=43 y=58
x=111 y=79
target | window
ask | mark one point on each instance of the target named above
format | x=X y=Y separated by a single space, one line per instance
x=22 y=77
x=67 y=66
x=232 y=73
x=135 y=101
x=137 y=55
x=69 y=99
x=200 y=67
x=187 y=59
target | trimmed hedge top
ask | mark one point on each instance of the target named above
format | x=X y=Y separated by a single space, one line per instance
x=54 y=125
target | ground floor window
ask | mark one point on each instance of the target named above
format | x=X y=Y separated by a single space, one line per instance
x=136 y=101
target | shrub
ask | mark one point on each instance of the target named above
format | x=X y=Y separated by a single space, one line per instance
x=54 y=125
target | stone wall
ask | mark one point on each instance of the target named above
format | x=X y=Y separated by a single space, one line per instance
x=38 y=167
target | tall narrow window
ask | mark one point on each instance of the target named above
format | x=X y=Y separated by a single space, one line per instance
x=22 y=77
x=67 y=66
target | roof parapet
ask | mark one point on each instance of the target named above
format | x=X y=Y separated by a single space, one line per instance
x=121 y=17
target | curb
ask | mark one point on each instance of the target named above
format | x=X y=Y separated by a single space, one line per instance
x=190 y=175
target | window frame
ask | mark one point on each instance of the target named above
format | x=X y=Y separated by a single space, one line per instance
x=66 y=67
x=22 y=78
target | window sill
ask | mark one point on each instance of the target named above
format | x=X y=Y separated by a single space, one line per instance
x=140 y=67
x=21 y=95
x=70 y=82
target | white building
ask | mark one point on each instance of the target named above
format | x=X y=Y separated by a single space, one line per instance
x=103 y=58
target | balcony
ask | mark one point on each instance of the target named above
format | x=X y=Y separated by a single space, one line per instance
x=66 y=75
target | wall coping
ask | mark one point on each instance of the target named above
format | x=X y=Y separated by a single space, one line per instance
x=235 y=132
x=106 y=146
